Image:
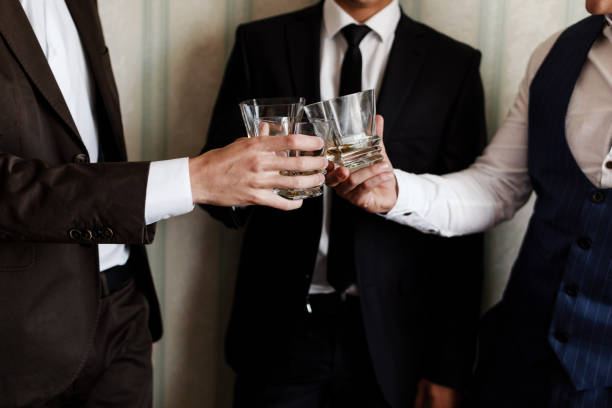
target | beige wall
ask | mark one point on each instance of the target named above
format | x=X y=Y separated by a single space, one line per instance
x=169 y=56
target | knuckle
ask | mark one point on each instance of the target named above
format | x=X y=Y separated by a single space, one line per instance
x=255 y=164
x=293 y=142
x=301 y=163
x=252 y=197
x=253 y=182
x=249 y=142
x=298 y=183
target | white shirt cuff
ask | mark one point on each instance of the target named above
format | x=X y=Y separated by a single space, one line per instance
x=412 y=202
x=168 y=190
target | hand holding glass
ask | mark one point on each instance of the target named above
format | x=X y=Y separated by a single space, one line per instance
x=354 y=143
x=279 y=117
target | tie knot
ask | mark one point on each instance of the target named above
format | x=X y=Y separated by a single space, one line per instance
x=354 y=34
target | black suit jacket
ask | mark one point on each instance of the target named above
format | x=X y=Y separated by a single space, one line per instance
x=54 y=208
x=420 y=294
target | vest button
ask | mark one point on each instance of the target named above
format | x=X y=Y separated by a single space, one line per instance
x=571 y=289
x=80 y=158
x=598 y=197
x=609 y=165
x=584 y=243
x=562 y=337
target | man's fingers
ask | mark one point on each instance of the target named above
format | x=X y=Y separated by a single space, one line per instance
x=291 y=142
x=302 y=163
x=358 y=177
x=293 y=182
x=376 y=181
x=337 y=176
x=380 y=125
x=271 y=199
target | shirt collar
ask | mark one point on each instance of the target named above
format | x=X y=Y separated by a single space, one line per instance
x=382 y=23
x=609 y=19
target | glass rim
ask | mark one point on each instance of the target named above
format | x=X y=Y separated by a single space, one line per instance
x=314 y=104
x=289 y=100
x=365 y=91
x=310 y=122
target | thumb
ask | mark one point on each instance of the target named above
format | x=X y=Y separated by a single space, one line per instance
x=380 y=125
x=337 y=176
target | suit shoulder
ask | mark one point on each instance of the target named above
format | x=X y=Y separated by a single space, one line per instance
x=450 y=47
x=271 y=25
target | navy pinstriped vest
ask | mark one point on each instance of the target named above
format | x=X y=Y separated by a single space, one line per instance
x=560 y=292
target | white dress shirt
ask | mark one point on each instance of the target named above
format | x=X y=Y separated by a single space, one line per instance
x=375 y=48
x=498 y=184
x=168 y=187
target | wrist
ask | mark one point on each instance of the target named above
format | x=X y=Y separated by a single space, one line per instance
x=197 y=168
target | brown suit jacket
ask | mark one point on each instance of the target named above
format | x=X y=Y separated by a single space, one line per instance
x=54 y=208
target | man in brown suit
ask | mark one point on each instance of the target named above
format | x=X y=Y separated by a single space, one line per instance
x=77 y=319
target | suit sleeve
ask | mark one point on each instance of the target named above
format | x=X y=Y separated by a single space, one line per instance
x=226 y=124
x=455 y=265
x=84 y=203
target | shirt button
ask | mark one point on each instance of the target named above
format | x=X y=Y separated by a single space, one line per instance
x=571 y=290
x=80 y=158
x=598 y=197
x=609 y=165
x=562 y=337
x=584 y=243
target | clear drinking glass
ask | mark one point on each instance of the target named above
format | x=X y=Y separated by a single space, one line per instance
x=271 y=108
x=280 y=117
x=354 y=143
x=319 y=128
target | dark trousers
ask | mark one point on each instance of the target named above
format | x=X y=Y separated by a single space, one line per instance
x=505 y=379
x=328 y=365
x=118 y=371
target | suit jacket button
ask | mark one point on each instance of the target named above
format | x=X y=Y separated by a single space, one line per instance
x=598 y=197
x=108 y=233
x=80 y=158
x=562 y=336
x=86 y=235
x=584 y=243
x=75 y=234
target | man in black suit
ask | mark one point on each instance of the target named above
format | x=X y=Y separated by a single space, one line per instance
x=334 y=305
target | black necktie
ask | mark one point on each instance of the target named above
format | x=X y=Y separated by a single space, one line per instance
x=350 y=78
x=341 y=257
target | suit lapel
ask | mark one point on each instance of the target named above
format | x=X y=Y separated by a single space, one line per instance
x=88 y=26
x=16 y=30
x=303 y=48
x=405 y=61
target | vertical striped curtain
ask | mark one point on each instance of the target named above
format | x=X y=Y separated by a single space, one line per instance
x=168 y=57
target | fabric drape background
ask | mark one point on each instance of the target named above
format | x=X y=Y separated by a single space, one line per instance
x=169 y=56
